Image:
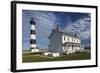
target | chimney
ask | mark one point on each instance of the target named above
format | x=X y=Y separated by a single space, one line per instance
x=75 y=34
x=57 y=28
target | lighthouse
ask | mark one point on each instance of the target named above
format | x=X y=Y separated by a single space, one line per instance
x=33 y=36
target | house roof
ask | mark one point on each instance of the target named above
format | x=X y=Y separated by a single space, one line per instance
x=68 y=34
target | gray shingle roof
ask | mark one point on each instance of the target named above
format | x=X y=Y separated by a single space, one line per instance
x=63 y=33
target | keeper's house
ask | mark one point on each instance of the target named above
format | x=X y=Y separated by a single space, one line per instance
x=64 y=43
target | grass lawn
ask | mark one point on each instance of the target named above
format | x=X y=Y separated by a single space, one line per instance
x=30 y=57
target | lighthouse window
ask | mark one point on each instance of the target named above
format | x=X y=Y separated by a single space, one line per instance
x=32 y=22
x=32 y=32
x=32 y=41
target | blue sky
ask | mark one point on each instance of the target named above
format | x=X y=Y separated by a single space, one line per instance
x=69 y=22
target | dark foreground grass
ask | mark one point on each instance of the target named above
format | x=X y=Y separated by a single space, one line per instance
x=30 y=57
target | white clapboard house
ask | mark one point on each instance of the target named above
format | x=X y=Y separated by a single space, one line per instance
x=64 y=43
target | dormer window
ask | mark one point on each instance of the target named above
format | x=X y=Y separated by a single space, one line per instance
x=64 y=38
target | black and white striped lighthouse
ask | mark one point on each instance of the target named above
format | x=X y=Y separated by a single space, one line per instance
x=33 y=36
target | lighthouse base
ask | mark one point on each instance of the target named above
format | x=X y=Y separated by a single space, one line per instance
x=34 y=50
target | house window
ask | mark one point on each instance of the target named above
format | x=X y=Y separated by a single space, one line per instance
x=68 y=39
x=72 y=39
x=64 y=38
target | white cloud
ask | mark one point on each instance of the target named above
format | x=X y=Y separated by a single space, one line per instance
x=81 y=27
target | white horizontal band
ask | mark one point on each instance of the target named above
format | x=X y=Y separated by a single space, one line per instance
x=33 y=27
x=33 y=36
x=33 y=45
